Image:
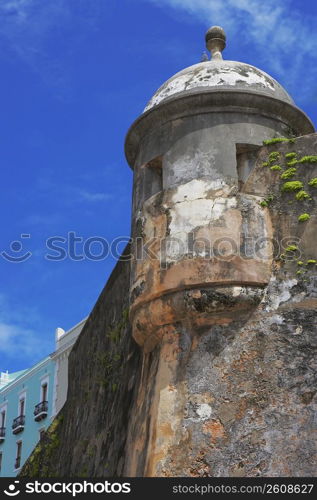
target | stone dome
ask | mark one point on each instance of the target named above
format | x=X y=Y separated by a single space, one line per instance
x=210 y=91
x=219 y=74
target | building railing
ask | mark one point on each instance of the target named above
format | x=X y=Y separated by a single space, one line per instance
x=40 y=410
x=17 y=463
x=18 y=424
x=2 y=433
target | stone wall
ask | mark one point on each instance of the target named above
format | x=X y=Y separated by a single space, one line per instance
x=236 y=398
x=88 y=437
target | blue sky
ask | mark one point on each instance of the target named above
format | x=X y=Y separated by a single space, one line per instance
x=74 y=76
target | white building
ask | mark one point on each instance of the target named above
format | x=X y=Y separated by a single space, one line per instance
x=64 y=343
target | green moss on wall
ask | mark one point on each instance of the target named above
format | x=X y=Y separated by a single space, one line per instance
x=274 y=156
x=291 y=248
x=289 y=173
x=313 y=182
x=47 y=448
x=303 y=217
x=308 y=159
x=276 y=140
x=292 y=163
x=266 y=201
x=292 y=186
x=291 y=156
x=302 y=195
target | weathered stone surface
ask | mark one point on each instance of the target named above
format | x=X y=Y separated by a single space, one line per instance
x=219 y=75
x=228 y=386
x=89 y=435
x=244 y=395
x=237 y=398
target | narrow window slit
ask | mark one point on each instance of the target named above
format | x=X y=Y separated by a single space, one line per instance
x=153 y=178
x=246 y=157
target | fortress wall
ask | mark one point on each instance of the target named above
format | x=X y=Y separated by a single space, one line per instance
x=236 y=398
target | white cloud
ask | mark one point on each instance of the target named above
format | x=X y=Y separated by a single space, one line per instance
x=94 y=197
x=21 y=336
x=42 y=220
x=69 y=193
x=26 y=27
x=282 y=37
x=17 y=342
x=17 y=7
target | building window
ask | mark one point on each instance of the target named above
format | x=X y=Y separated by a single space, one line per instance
x=2 y=418
x=246 y=158
x=44 y=392
x=0 y=461
x=18 y=455
x=42 y=433
x=2 y=425
x=21 y=407
x=41 y=409
x=19 y=421
x=148 y=182
x=154 y=177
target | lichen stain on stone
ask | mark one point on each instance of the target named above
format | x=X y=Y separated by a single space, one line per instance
x=214 y=429
x=214 y=74
x=203 y=411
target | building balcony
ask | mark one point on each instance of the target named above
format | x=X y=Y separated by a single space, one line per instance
x=18 y=424
x=40 y=411
x=2 y=434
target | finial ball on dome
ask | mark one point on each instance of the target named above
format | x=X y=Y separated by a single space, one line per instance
x=216 y=32
x=216 y=41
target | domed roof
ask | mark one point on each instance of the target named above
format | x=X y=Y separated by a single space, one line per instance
x=218 y=74
x=213 y=86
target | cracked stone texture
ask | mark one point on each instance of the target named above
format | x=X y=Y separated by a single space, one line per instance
x=219 y=74
x=248 y=391
x=237 y=398
x=88 y=437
